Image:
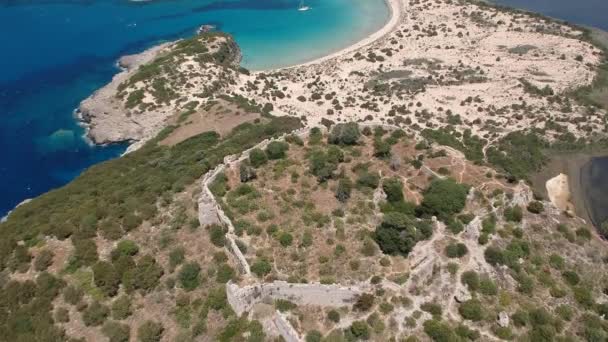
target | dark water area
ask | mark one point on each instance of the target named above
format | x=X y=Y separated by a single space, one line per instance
x=582 y=12
x=594 y=183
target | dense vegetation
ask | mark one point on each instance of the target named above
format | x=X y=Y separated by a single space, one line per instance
x=108 y=200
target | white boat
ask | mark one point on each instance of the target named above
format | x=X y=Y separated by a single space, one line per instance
x=303 y=7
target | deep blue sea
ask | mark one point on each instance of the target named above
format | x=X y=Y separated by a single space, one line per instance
x=54 y=53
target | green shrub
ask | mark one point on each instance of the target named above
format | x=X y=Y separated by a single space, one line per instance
x=62 y=315
x=284 y=305
x=520 y=318
x=72 y=295
x=189 y=276
x=465 y=332
x=345 y=134
x=145 y=276
x=443 y=198
x=344 y=189
x=313 y=336
x=556 y=262
x=455 y=226
x=513 y=214
x=95 y=314
x=439 y=331
x=257 y=157
x=382 y=149
x=177 y=256
x=393 y=188
x=360 y=330
x=432 y=308
x=85 y=252
x=364 y=302
x=286 y=239
x=224 y=273
x=150 y=331
x=246 y=172
x=583 y=296
x=43 y=260
x=487 y=286
x=321 y=165
x=571 y=277
x=494 y=256
x=518 y=154
x=333 y=316
x=276 y=150
x=261 y=267
x=124 y=248
x=368 y=179
x=121 y=308
x=116 y=332
x=536 y=207
x=456 y=250
x=583 y=233
x=471 y=310
x=217 y=235
x=106 y=278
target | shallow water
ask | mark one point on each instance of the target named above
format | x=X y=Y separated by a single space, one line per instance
x=55 y=53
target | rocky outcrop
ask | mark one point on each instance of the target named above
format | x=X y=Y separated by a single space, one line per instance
x=104 y=115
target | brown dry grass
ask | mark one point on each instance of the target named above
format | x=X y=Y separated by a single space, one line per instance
x=221 y=118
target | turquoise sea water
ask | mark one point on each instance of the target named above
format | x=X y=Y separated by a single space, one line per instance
x=54 y=53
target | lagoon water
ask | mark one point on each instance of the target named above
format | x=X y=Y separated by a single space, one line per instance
x=57 y=52
x=582 y=12
x=594 y=183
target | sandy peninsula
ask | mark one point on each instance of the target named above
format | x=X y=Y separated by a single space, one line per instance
x=462 y=65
